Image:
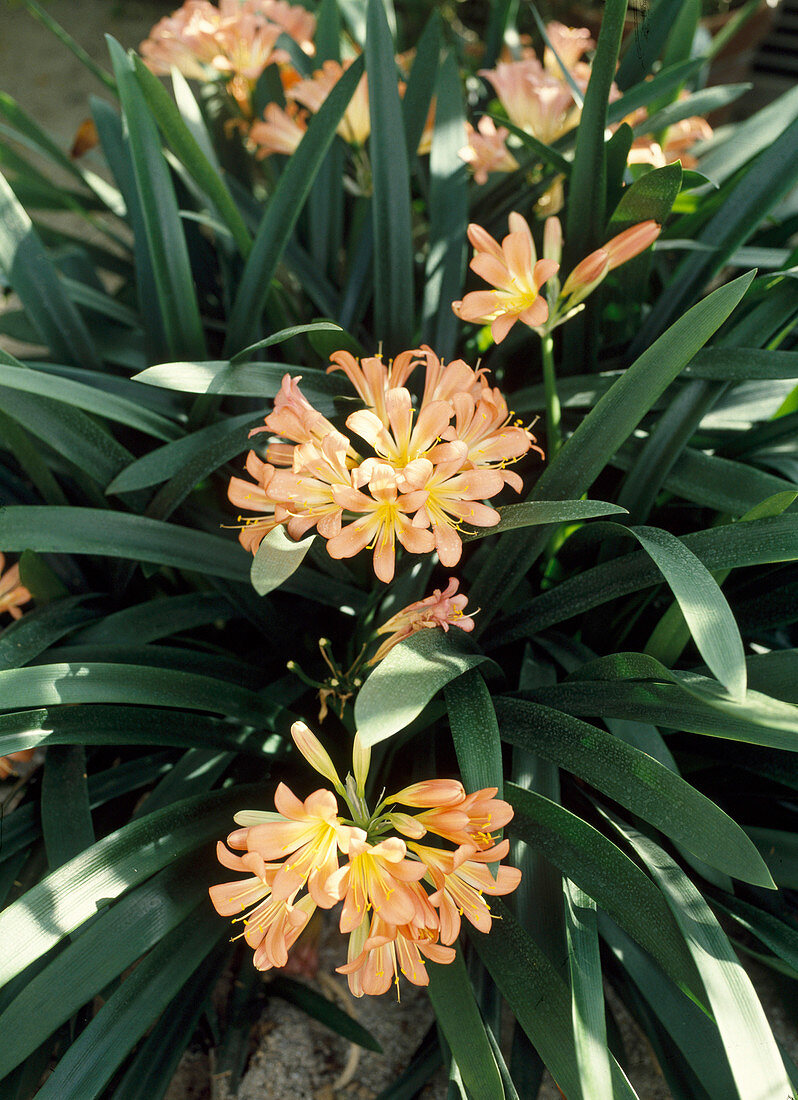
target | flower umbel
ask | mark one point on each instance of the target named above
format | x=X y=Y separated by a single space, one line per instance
x=409 y=474
x=402 y=901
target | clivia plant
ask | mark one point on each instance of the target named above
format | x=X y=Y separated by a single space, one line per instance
x=421 y=408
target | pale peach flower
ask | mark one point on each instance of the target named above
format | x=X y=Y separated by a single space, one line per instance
x=517 y=275
x=372 y=378
x=472 y=821
x=591 y=271
x=7 y=763
x=441 y=609
x=461 y=878
x=280 y=131
x=679 y=139
x=486 y=151
x=13 y=594
x=253 y=497
x=355 y=126
x=306 y=837
x=398 y=900
x=537 y=102
x=430 y=792
x=314 y=752
x=384 y=521
x=376 y=879
x=388 y=951
x=570 y=43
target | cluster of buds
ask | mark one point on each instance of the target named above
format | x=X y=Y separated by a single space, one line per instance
x=538 y=97
x=517 y=275
x=402 y=900
x=428 y=473
x=234 y=41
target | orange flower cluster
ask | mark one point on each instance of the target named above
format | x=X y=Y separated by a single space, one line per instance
x=536 y=96
x=428 y=472
x=234 y=41
x=517 y=275
x=402 y=900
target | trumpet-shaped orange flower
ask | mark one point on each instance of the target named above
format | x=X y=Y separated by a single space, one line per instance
x=443 y=609
x=7 y=763
x=355 y=126
x=516 y=274
x=461 y=879
x=13 y=594
x=486 y=150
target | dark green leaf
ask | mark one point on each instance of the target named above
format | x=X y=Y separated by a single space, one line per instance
x=190 y=154
x=390 y=204
x=457 y=1014
x=66 y=816
x=602 y=870
x=635 y=780
x=283 y=210
x=406 y=679
x=119 y=535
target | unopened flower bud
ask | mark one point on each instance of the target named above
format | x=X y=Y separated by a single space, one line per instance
x=407 y=825
x=314 y=752
x=587 y=274
x=431 y=792
x=552 y=240
x=361 y=758
x=631 y=243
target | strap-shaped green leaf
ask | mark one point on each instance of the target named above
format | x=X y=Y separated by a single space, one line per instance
x=769 y=178
x=706 y=612
x=751 y=1050
x=33 y=277
x=119 y=535
x=758 y=542
x=91 y=1060
x=165 y=239
x=66 y=898
x=635 y=780
x=51 y=685
x=41 y=627
x=406 y=679
x=534 y=512
x=113 y=942
x=100 y=724
x=221 y=376
x=190 y=154
x=66 y=814
x=16 y=376
x=475 y=732
x=283 y=211
x=390 y=204
x=448 y=215
x=224 y=440
x=458 y=1015
x=603 y=871
x=587 y=993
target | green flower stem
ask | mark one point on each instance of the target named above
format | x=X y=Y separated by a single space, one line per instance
x=553 y=434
